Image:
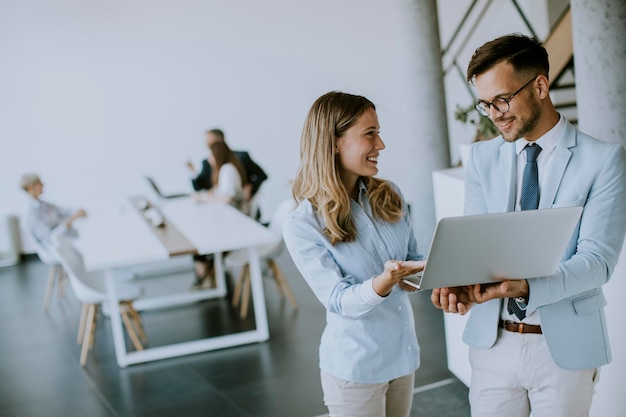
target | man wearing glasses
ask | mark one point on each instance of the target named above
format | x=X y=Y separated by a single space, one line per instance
x=536 y=345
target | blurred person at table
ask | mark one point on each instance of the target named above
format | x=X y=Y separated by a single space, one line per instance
x=351 y=239
x=227 y=179
x=253 y=175
x=43 y=219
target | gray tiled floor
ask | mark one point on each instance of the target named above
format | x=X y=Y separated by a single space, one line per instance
x=40 y=374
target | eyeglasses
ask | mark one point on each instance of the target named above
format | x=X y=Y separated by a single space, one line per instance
x=501 y=104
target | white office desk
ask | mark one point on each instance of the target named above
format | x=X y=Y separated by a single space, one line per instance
x=118 y=236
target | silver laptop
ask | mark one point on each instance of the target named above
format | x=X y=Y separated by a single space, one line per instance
x=478 y=249
x=158 y=191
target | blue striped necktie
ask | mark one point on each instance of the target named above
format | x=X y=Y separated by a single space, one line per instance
x=530 y=184
x=529 y=200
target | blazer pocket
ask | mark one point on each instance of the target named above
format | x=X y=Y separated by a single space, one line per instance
x=589 y=304
x=573 y=203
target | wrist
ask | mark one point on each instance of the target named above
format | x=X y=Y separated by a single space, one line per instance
x=378 y=284
x=524 y=293
x=522 y=299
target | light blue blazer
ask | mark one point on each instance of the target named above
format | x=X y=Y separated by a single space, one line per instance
x=584 y=172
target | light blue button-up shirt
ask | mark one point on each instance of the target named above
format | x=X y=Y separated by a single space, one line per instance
x=43 y=220
x=368 y=338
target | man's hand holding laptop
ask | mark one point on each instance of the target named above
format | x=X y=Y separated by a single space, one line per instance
x=460 y=299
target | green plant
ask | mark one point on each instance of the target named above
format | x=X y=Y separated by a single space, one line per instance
x=485 y=129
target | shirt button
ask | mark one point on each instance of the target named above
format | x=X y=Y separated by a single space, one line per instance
x=399 y=308
x=410 y=347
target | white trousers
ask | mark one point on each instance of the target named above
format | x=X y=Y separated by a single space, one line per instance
x=349 y=399
x=517 y=375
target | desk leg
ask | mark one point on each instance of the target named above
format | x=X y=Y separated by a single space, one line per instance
x=116 y=320
x=260 y=334
x=218 y=264
x=258 y=295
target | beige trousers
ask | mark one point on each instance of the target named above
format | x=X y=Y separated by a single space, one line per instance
x=349 y=399
x=517 y=375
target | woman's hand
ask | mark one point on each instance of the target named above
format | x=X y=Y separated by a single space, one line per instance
x=77 y=215
x=392 y=274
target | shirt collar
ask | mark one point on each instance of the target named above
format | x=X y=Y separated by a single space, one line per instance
x=548 y=141
x=33 y=202
x=362 y=192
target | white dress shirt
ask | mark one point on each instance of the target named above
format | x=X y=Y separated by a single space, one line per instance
x=548 y=143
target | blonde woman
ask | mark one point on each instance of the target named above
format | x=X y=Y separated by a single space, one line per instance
x=351 y=239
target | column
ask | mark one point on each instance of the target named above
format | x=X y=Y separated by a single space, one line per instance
x=429 y=126
x=599 y=31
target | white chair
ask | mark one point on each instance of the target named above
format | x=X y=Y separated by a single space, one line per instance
x=90 y=289
x=56 y=275
x=267 y=253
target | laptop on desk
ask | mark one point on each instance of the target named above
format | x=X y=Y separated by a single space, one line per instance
x=478 y=249
x=157 y=190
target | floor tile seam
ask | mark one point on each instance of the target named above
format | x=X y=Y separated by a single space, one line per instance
x=179 y=402
x=99 y=394
x=433 y=385
x=230 y=402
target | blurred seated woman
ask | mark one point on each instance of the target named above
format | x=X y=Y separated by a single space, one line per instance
x=227 y=177
x=228 y=186
x=43 y=219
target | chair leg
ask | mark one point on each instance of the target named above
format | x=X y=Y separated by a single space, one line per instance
x=245 y=298
x=92 y=335
x=51 y=278
x=136 y=320
x=61 y=280
x=91 y=308
x=239 y=284
x=282 y=283
x=81 y=323
x=129 y=327
x=275 y=271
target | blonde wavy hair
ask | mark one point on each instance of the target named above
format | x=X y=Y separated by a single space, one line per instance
x=318 y=179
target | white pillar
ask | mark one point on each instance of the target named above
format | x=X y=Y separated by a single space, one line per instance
x=599 y=31
x=429 y=134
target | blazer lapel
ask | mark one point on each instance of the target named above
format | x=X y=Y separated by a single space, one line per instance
x=557 y=166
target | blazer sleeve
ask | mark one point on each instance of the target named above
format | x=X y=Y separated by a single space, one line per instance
x=599 y=241
x=203 y=180
x=255 y=173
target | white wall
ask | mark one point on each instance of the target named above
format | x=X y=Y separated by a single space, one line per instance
x=93 y=94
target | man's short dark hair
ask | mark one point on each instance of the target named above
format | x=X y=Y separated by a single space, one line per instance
x=524 y=53
x=217 y=132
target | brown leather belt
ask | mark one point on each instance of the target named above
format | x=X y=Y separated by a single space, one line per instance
x=520 y=328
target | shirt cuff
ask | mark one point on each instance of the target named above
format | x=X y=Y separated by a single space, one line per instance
x=368 y=294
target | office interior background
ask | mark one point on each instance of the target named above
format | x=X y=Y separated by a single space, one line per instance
x=95 y=95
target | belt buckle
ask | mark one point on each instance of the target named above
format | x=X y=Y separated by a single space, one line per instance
x=520 y=328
